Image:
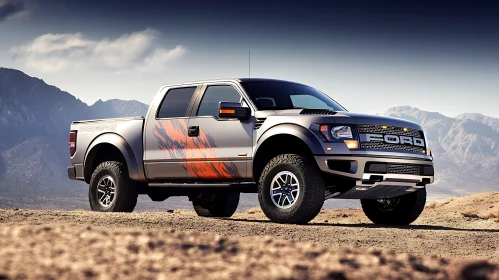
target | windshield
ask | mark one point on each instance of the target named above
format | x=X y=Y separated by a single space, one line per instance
x=280 y=95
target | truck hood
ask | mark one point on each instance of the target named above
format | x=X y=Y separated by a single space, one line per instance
x=356 y=118
x=345 y=118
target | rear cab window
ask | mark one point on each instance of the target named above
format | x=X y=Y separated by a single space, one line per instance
x=175 y=103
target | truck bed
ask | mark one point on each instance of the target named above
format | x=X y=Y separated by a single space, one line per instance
x=124 y=134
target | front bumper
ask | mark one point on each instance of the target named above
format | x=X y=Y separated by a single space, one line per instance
x=372 y=179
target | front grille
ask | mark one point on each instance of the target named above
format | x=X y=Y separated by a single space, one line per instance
x=378 y=129
x=386 y=146
x=259 y=122
x=317 y=112
x=390 y=130
x=403 y=169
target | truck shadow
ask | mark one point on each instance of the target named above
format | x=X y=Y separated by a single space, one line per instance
x=409 y=227
x=373 y=226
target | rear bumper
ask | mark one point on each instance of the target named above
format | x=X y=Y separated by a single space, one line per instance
x=72 y=173
x=378 y=177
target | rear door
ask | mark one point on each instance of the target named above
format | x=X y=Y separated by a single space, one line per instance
x=166 y=135
x=218 y=149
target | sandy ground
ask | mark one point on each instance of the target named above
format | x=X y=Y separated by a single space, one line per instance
x=73 y=253
x=178 y=244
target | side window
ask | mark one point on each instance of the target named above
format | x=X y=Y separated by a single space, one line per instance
x=175 y=103
x=213 y=96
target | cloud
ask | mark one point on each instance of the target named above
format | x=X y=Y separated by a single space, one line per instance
x=9 y=8
x=161 y=57
x=61 y=52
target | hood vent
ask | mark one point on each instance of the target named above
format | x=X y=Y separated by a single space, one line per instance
x=317 y=112
x=259 y=122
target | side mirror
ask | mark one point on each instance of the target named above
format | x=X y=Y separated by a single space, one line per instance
x=233 y=110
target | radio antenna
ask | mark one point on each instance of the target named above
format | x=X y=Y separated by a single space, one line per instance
x=249 y=64
x=249 y=71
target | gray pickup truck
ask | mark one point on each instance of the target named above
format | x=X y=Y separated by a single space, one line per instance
x=288 y=142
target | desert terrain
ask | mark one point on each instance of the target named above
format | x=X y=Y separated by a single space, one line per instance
x=455 y=239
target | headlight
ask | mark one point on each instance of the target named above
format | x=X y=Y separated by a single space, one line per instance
x=342 y=132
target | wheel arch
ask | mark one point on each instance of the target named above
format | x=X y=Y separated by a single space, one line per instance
x=109 y=147
x=297 y=139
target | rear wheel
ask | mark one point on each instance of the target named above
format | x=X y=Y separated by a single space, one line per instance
x=291 y=190
x=220 y=204
x=111 y=190
x=401 y=210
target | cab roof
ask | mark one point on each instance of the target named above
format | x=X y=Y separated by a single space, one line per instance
x=238 y=80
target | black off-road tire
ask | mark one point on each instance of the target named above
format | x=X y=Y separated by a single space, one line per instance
x=311 y=183
x=224 y=205
x=126 y=192
x=408 y=209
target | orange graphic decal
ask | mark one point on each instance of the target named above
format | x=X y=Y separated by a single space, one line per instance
x=171 y=136
x=201 y=149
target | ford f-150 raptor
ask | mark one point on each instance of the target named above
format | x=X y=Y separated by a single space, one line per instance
x=288 y=142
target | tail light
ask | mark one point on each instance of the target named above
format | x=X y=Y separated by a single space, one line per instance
x=72 y=142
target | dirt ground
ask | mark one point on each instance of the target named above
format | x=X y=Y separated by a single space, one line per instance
x=178 y=244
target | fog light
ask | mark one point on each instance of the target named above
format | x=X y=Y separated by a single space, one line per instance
x=352 y=144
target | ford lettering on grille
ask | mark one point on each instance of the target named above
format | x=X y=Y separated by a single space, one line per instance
x=392 y=139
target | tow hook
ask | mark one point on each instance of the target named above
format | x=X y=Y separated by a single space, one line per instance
x=423 y=182
x=373 y=179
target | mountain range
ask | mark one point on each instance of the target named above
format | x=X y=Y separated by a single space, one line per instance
x=35 y=118
x=34 y=124
x=465 y=149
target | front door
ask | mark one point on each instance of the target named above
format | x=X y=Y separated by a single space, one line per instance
x=218 y=149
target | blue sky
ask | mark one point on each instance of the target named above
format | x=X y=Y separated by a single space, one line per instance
x=368 y=55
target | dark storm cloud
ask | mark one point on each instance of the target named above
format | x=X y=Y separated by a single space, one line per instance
x=442 y=28
x=9 y=8
x=452 y=22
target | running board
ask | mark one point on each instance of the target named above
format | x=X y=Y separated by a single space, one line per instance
x=202 y=185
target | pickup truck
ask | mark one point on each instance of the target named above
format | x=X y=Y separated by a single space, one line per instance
x=290 y=143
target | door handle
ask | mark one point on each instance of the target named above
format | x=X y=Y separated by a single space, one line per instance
x=193 y=131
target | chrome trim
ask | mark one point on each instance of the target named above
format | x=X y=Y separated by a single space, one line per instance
x=396 y=179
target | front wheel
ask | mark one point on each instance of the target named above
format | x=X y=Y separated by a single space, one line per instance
x=291 y=190
x=401 y=210
x=219 y=204
x=111 y=190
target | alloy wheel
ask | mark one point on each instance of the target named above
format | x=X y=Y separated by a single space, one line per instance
x=284 y=189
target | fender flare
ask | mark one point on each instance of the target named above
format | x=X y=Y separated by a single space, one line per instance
x=298 y=131
x=117 y=141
